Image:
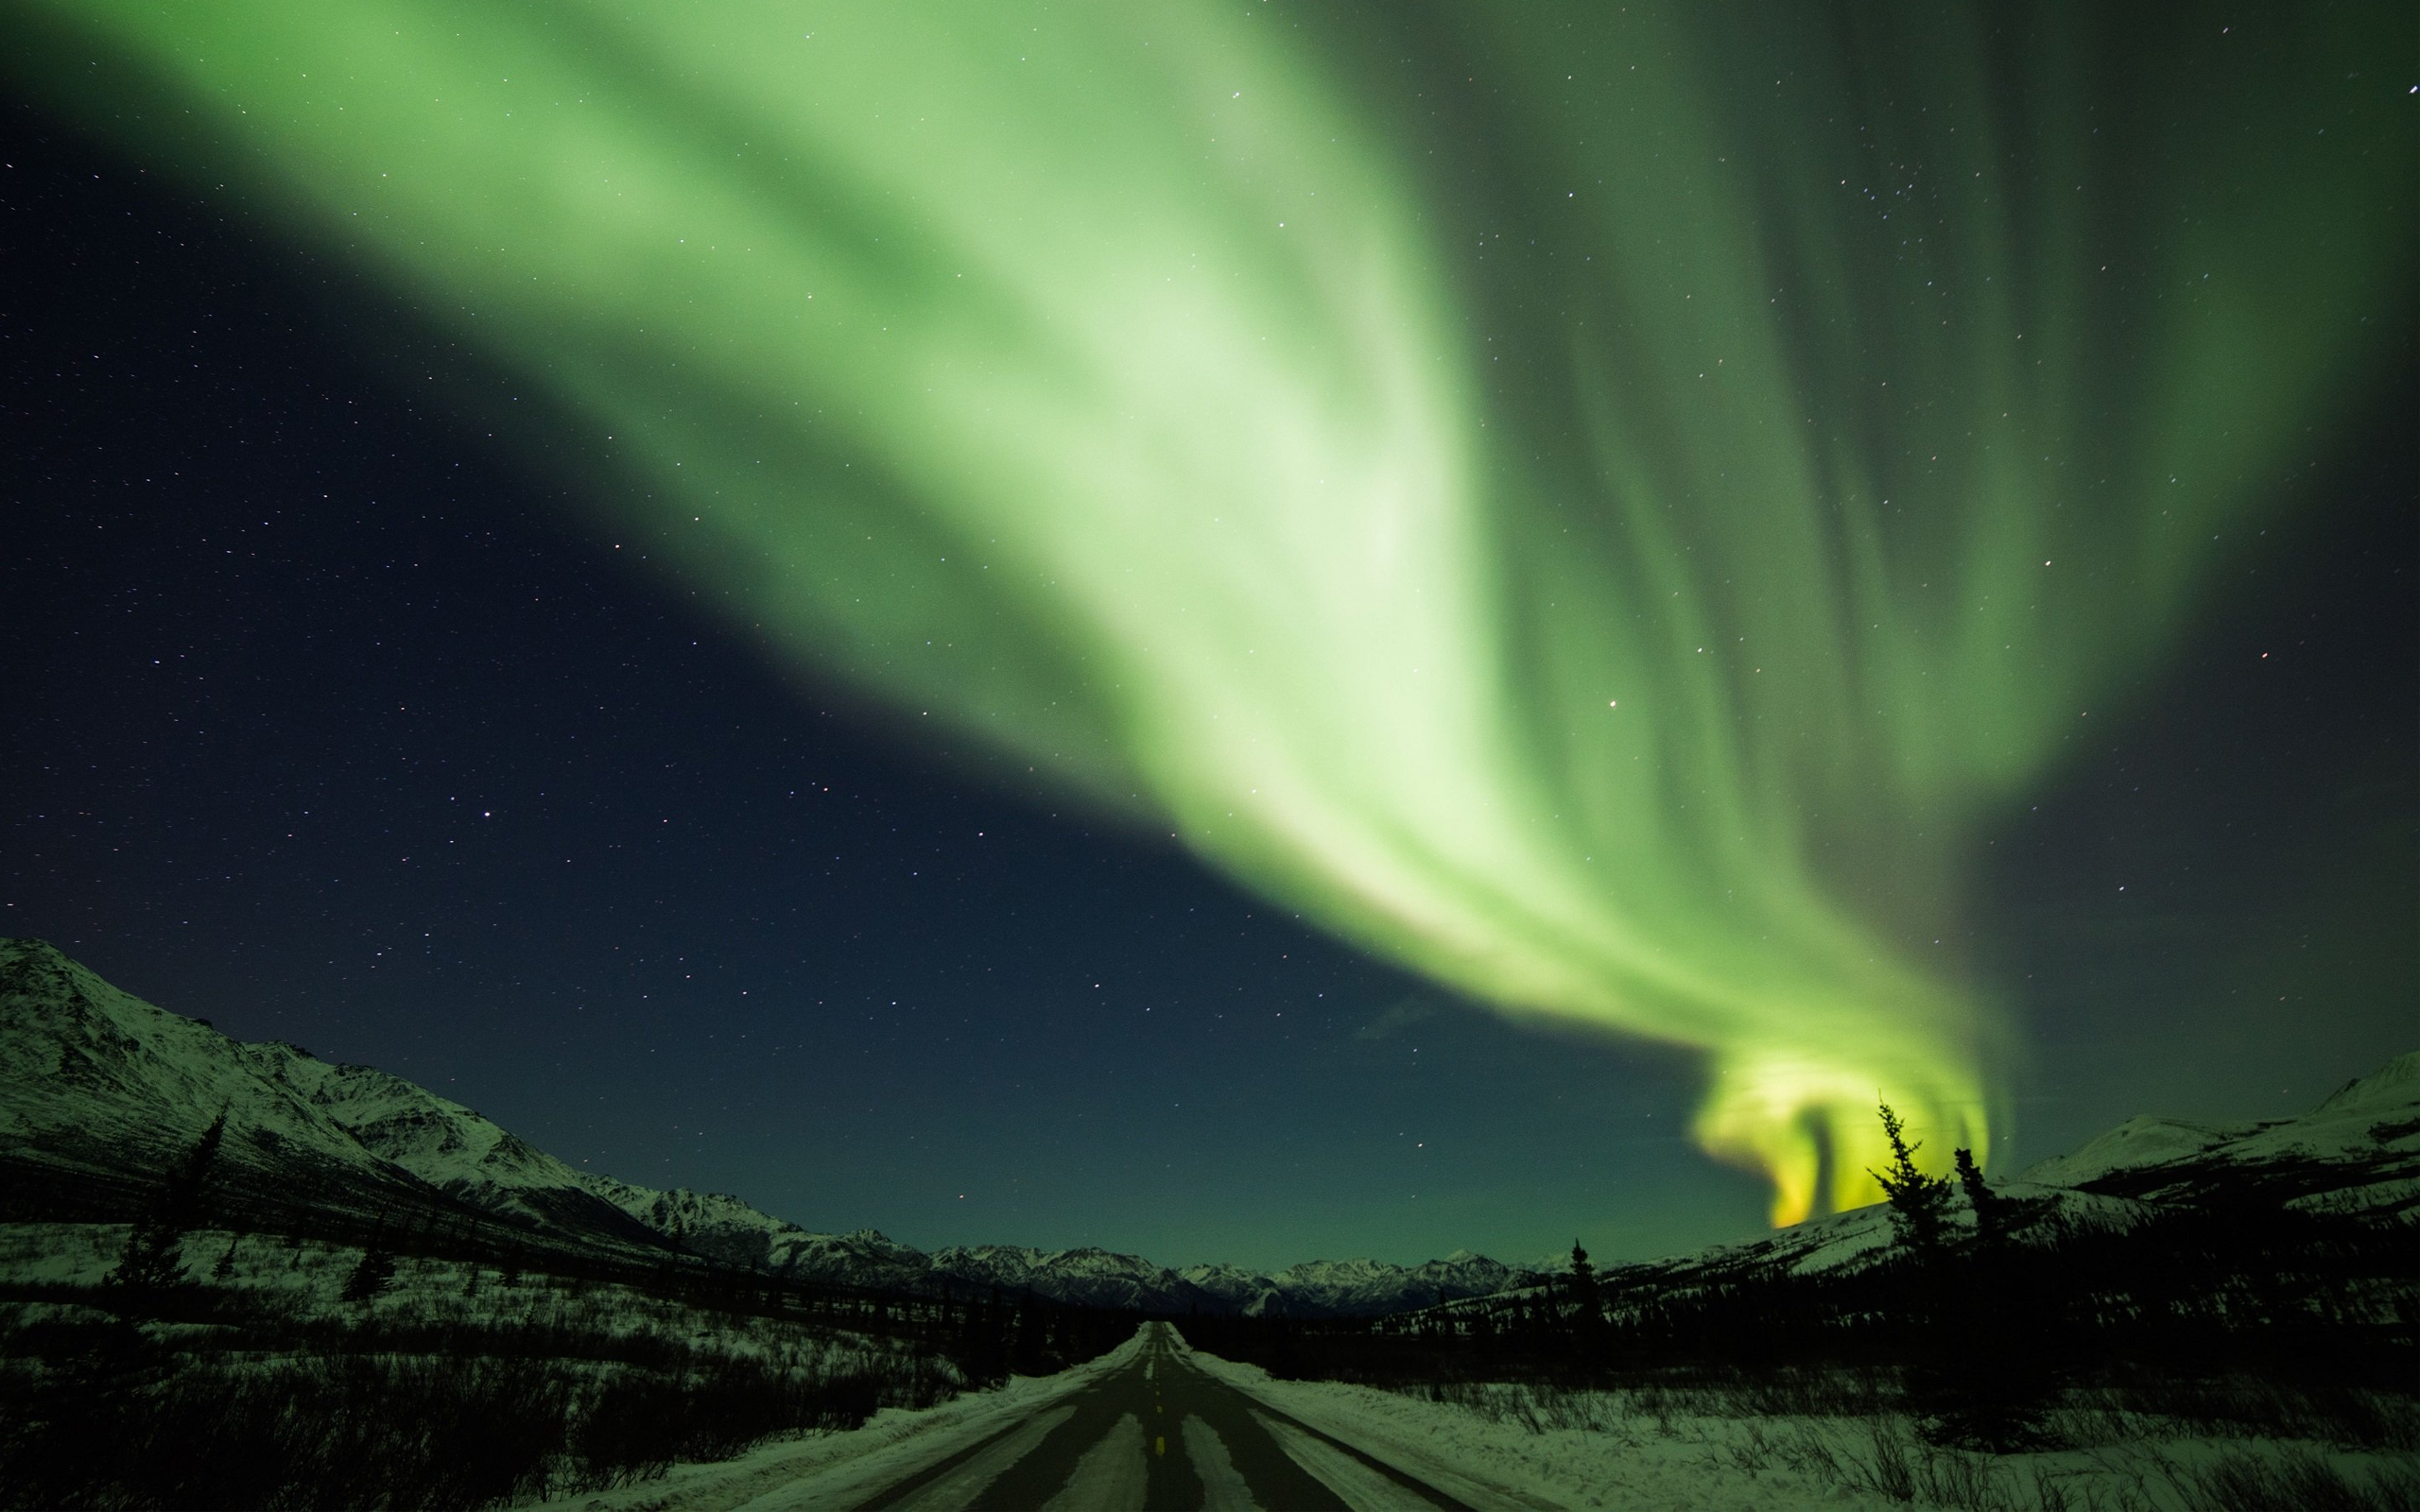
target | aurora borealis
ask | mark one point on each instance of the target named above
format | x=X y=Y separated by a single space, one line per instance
x=1601 y=509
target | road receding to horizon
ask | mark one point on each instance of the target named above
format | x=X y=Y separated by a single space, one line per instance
x=1150 y=1424
x=1156 y=1432
x=1156 y=1424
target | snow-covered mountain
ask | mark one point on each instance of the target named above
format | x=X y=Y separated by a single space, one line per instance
x=100 y=1091
x=447 y=1145
x=1339 y=1288
x=1097 y=1278
x=2358 y=1150
x=725 y=1229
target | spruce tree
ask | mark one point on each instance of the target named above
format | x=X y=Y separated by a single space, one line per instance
x=1588 y=1319
x=1917 y=1201
x=1026 y=1351
x=1993 y=1375
x=1583 y=1285
x=373 y=1274
x=151 y=1260
x=1991 y=1213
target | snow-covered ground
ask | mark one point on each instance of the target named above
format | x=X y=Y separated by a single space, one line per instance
x=1496 y=1447
x=843 y=1469
x=95 y=1082
x=1519 y=1449
x=296 y=1281
x=1513 y=1447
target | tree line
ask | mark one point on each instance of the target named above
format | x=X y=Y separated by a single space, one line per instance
x=173 y=1382
x=1983 y=1310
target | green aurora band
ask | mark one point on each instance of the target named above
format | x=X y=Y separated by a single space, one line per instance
x=1603 y=507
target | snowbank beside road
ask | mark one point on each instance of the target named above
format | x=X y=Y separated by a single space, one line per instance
x=843 y=1469
x=1675 y=1461
x=1512 y=1448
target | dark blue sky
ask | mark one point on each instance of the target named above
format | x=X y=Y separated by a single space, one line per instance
x=328 y=720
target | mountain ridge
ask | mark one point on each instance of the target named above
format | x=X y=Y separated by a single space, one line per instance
x=2357 y=1150
x=100 y=1089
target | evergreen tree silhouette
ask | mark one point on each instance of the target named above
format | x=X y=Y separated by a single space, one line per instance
x=1991 y=1209
x=1587 y=1316
x=374 y=1272
x=1917 y=1201
x=1026 y=1352
x=1995 y=1373
x=151 y=1262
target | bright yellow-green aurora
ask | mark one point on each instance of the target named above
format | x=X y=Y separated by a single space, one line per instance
x=1602 y=506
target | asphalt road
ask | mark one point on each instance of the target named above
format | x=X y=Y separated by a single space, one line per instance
x=1159 y=1435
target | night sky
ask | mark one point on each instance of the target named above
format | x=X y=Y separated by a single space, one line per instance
x=351 y=702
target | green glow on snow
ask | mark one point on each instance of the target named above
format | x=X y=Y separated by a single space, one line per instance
x=1611 y=543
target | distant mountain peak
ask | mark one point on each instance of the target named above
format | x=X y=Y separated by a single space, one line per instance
x=98 y=1090
x=2395 y=1085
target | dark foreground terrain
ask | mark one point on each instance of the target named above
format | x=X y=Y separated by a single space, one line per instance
x=231 y=1276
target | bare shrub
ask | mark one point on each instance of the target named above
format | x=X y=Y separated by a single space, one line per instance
x=2289 y=1480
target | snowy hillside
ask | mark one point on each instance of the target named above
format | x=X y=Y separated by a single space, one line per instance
x=2360 y=1147
x=99 y=1091
x=726 y=1230
x=1096 y=1278
x=1339 y=1288
x=445 y=1144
